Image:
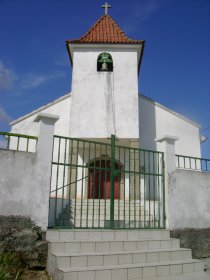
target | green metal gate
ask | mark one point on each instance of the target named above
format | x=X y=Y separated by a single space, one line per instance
x=105 y=185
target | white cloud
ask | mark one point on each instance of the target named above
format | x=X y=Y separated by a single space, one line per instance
x=4 y=117
x=34 y=80
x=7 y=78
x=142 y=12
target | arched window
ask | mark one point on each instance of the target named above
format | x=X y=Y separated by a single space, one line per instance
x=104 y=62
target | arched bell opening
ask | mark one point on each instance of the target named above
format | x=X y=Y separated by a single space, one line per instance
x=104 y=62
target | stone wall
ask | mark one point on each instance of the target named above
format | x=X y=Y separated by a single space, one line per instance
x=22 y=236
x=196 y=239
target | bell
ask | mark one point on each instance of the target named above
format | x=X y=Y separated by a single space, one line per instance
x=104 y=67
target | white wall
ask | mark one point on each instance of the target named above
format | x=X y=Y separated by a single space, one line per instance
x=104 y=102
x=157 y=121
x=189 y=196
x=61 y=108
x=24 y=188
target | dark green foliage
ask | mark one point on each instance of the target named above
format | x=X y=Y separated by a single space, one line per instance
x=11 y=266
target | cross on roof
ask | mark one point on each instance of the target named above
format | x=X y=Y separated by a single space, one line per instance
x=106 y=6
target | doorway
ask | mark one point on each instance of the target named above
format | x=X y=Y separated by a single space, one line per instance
x=100 y=180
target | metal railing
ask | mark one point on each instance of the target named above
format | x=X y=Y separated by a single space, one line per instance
x=193 y=163
x=104 y=185
x=18 y=142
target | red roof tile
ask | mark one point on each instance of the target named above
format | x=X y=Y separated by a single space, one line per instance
x=105 y=31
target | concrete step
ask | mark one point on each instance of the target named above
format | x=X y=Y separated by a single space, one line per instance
x=102 y=210
x=85 y=246
x=187 y=276
x=119 y=258
x=80 y=234
x=123 y=224
x=95 y=216
x=130 y=271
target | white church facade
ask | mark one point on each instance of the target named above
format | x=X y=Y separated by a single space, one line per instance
x=112 y=177
x=104 y=102
x=87 y=160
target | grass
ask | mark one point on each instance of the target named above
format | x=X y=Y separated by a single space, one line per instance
x=12 y=267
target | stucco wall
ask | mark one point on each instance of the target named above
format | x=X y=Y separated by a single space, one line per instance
x=61 y=108
x=157 y=121
x=24 y=186
x=189 y=200
x=105 y=102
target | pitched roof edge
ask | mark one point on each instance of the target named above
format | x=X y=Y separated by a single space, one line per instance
x=169 y=110
x=40 y=109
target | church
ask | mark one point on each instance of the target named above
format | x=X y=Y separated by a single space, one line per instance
x=105 y=98
x=106 y=110
x=108 y=172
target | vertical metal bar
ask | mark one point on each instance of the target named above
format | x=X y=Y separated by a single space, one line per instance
x=124 y=162
x=149 y=189
x=89 y=194
x=57 y=175
x=158 y=189
x=64 y=175
x=83 y=166
x=154 y=191
x=139 y=170
x=163 y=177
x=105 y=193
x=129 y=202
x=50 y=205
x=119 y=185
x=134 y=174
x=70 y=206
x=144 y=188
x=99 y=191
x=75 y=192
x=112 y=181
x=94 y=185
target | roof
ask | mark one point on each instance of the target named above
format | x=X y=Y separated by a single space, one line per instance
x=105 y=31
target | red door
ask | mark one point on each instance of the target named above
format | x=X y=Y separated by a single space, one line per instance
x=100 y=183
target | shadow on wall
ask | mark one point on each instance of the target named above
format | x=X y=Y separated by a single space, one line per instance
x=147 y=124
x=147 y=134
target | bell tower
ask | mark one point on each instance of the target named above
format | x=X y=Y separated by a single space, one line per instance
x=104 y=98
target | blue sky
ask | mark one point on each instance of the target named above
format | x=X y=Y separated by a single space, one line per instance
x=35 y=68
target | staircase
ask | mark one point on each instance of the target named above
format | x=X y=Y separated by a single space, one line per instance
x=96 y=214
x=119 y=255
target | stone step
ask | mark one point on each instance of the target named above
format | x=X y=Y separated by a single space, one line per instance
x=105 y=234
x=130 y=271
x=79 y=246
x=119 y=258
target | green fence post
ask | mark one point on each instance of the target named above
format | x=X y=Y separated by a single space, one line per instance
x=112 y=181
